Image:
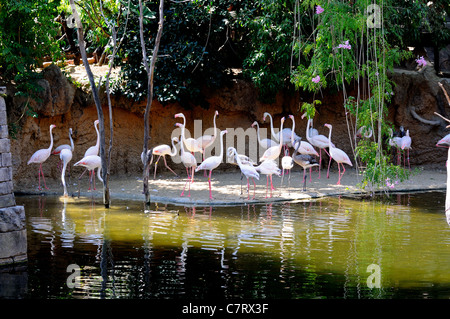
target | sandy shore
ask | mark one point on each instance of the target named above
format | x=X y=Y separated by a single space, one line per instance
x=226 y=187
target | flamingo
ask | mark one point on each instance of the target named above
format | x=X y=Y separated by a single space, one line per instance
x=163 y=150
x=285 y=133
x=207 y=140
x=338 y=155
x=247 y=169
x=268 y=168
x=286 y=163
x=91 y=162
x=41 y=156
x=406 y=144
x=304 y=147
x=444 y=142
x=274 y=151
x=305 y=161
x=191 y=144
x=212 y=162
x=231 y=158
x=71 y=147
x=317 y=140
x=397 y=143
x=189 y=162
x=93 y=150
x=66 y=156
x=266 y=142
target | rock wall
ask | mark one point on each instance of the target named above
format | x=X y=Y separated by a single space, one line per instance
x=238 y=106
x=13 y=236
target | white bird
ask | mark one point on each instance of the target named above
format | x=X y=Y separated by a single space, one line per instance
x=91 y=162
x=286 y=163
x=163 y=150
x=317 y=140
x=444 y=142
x=286 y=133
x=191 y=144
x=93 y=150
x=206 y=141
x=269 y=168
x=305 y=161
x=248 y=170
x=212 y=162
x=265 y=142
x=338 y=155
x=71 y=147
x=274 y=151
x=406 y=145
x=66 y=156
x=41 y=156
x=189 y=162
x=304 y=147
x=231 y=158
x=397 y=143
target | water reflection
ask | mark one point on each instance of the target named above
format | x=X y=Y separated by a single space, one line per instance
x=309 y=249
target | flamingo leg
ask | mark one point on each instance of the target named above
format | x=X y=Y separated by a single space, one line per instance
x=93 y=177
x=187 y=180
x=209 y=181
x=329 y=164
x=39 y=174
x=165 y=162
x=43 y=178
x=267 y=185
x=156 y=165
x=254 y=188
x=248 y=189
x=320 y=160
x=271 y=186
x=304 y=180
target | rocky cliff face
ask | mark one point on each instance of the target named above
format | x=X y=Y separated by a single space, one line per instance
x=67 y=107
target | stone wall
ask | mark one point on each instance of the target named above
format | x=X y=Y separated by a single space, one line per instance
x=13 y=236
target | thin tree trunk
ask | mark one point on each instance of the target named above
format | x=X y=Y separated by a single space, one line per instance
x=150 y=72
x=95 y=94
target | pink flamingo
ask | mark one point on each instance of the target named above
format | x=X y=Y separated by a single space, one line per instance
x=444 y=142
x=268 y=168
x=247 y=169
x=189 y=162
x=273 y=152
x=206 y=141
x=338 y=155
x=212 y=162
x=91 y=162
x=265 y=142
x=397 y=143
x=163 y=150
x=93 y=150
x=406 y=144
x=319 y=141
x=70 y=147
x=66 y=156
x=41 y=156
x=191 y=144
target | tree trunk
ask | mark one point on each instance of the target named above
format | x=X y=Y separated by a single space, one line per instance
x=95 y=94
x=150 y=72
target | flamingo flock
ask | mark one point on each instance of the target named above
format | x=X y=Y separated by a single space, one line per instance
x=275 y=148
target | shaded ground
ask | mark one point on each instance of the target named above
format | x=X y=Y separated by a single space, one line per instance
x=226 y=187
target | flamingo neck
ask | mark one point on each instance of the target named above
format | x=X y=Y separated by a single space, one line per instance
x=98 y=135
x=308 y=126
x=215 y=129
x=292 y=133
x=281 y=136
x=51 y=139
x=71 y=141
x=257 y=132
x=221 y=145
x=174 y=148
x=329 y=137
x=271 y=128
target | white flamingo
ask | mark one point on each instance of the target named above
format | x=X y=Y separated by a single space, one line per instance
x=71 y=147
x=305 y=161
x=397 y=143
x=212 y=162
x=163 y=150
x=191 y=144
x=206 y=141
x=66 y=156
x=338 y=155
x=286 y=163
x=41 y=156
x=189 y=162
x=93 y=150
x=406 y=145
x=273 y=152
x=317 y=140
x=91 y=162
x=304 y=147
x=269 y=168
x=265 y=142
x=231 y=158
x=286 y=133
x=248 y=170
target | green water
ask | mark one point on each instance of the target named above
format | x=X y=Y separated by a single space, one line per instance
x=314 y=249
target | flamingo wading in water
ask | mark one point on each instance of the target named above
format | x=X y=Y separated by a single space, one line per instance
x=66 y=156
x=41 y=156
x=91 y=162
x=212 y=162
x=338 y=155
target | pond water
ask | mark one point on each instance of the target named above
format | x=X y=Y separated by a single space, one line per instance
x=383 y=248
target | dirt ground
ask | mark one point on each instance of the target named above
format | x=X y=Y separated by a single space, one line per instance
x=226 y=187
